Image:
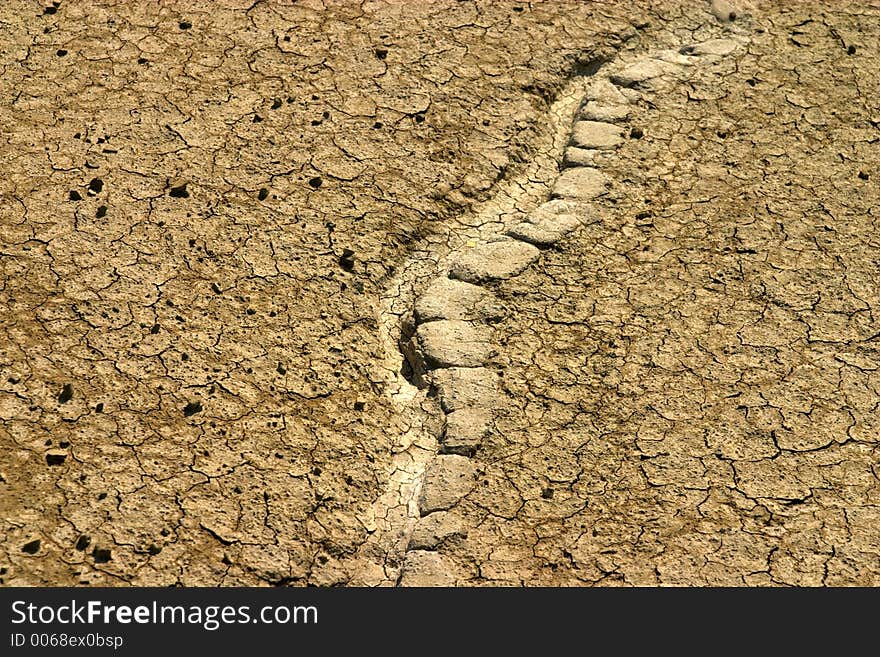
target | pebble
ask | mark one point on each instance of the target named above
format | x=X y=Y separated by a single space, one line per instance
x=449 y=478
x=583 y=183
x=640 y=72
x=594 y=111
x=719 y=47
x=435 y=528
x=465 y=387
x=674 y=57
x=595 y=134
x=544 y=232
x=493 y=260
x=446 y=298
x=453 y=343
x=723 y=10
x=579 y=157
x=465 y=430
x=426 y=568
x=633 y=94
x=602 y=91
x=549 y=209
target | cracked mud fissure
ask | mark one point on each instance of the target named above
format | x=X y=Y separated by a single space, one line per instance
x=213 y=238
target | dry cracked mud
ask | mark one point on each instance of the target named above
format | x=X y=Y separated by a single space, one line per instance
x=458 y=293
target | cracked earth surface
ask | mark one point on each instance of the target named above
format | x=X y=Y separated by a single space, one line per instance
x=216 y=221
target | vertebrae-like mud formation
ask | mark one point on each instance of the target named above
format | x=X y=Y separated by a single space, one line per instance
x=447 y=336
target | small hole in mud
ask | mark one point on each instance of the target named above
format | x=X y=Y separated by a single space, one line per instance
x=101 y=555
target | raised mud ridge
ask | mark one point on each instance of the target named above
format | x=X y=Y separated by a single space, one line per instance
x=439 y=311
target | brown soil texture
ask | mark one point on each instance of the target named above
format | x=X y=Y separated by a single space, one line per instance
x=202 y=203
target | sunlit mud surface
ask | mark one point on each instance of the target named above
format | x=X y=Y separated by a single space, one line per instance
x=216 y=220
